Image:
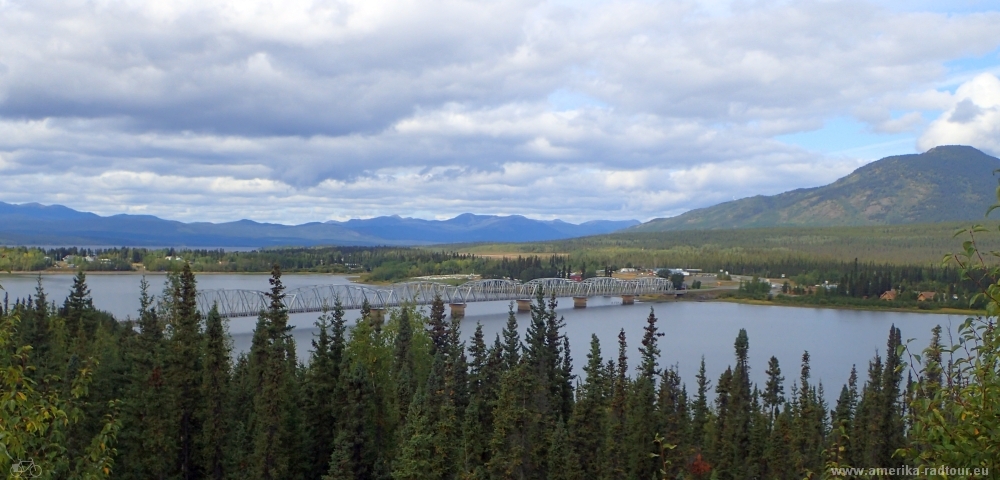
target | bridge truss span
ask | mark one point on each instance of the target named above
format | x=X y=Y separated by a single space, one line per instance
x=317 y=298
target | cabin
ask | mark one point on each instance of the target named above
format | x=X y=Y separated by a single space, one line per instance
x=889 y=295
x=926 y=296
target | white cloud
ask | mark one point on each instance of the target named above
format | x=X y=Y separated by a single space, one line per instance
x=973 y=119
x=309 y=109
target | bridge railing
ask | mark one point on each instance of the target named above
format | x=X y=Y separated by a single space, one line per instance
x=245 y=303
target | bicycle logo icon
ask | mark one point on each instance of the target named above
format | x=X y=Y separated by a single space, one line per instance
x=25 y=469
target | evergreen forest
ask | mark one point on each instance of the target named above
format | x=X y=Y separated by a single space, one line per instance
x=408 y=396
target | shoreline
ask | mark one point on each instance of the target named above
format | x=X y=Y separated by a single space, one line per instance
x=939 y=311
x=708 y=295
x=154 y=272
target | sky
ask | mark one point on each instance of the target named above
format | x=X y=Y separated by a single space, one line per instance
x=296 y=111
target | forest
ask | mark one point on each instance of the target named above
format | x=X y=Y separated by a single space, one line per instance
x=915 y=244
x=373 y=264
x=855 y=278
x=405 y=397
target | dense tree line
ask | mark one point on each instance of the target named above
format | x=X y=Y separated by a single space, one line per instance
x=407 y=397
x=852 y=279
x=377 y=264
x=896 y=244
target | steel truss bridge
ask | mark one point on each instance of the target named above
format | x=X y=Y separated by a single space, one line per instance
x=249 y=303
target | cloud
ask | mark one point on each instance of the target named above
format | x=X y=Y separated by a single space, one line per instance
x=973 y=119
x=311 y=109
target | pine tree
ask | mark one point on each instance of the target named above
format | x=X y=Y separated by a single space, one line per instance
x=890 y=405
x=321 y=387
x=215 y=432
x=438 y=330
x=147 y=436
x=865 y=434
x=355 y=453
x=418 y=458
x=34 y=330
x=404 y=376
x=244 y=389
x=476 y=430
x=511 y=341
x=477 y=426
x=518 y=429
x=615 y=454
x=809 y=428
x=563 y=462
x=78 y=308
x=588 y=424
x=843 y=417
x=774 y=391
x=735 y=416
x=272 y=403
x=641 y=416
x=673 y=420
x=699 y=409
x=932 y=376
x=184 y=371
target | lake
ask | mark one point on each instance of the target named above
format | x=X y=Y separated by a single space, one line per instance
x=835 y=339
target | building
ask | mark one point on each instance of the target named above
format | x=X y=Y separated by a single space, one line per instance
x=926 y=296
x=889 y=295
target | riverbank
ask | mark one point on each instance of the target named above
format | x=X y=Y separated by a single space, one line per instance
x=716 y=296
x=35 y=273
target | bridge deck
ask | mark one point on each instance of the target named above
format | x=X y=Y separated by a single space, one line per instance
x=249 y=303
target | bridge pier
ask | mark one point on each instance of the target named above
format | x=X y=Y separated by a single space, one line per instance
x=457 y=310
x=579 y=302
x=628 y=299
x=377 y=314
x=523 y=306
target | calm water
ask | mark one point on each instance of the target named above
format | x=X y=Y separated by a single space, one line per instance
x=835 y=339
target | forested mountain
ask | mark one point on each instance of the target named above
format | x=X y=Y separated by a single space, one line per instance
x=946 y=183
x=404 y=398
x=34 y=224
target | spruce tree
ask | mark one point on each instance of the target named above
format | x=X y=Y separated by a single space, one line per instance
x=774 y=391
x=355 y=452
x=184 y=372
x=931 y=378
x=436 y=326
x=890 y=418
x=641 y=416
x=34 y=330
x=418 y=458
x=79 y=308
x=735 y=414
x=563 y=461
x=272 y=404
x=615 y=449
x=699 y=409
x=319 y=389
x=809 y=427
x=404 y=376
x=865 y=433
x=588 y=424
x=518 y=442
x=215 y=392
x=147 y=438
x=511 y=341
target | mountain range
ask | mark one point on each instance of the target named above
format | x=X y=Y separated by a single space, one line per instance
x=35 y=224
x=946 y=183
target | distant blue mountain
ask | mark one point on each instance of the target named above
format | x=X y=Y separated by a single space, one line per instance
x=35 y=224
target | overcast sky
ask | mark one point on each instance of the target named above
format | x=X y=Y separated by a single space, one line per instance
x=298 y=110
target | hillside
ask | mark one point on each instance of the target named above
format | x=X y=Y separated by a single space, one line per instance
x=944 y=184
